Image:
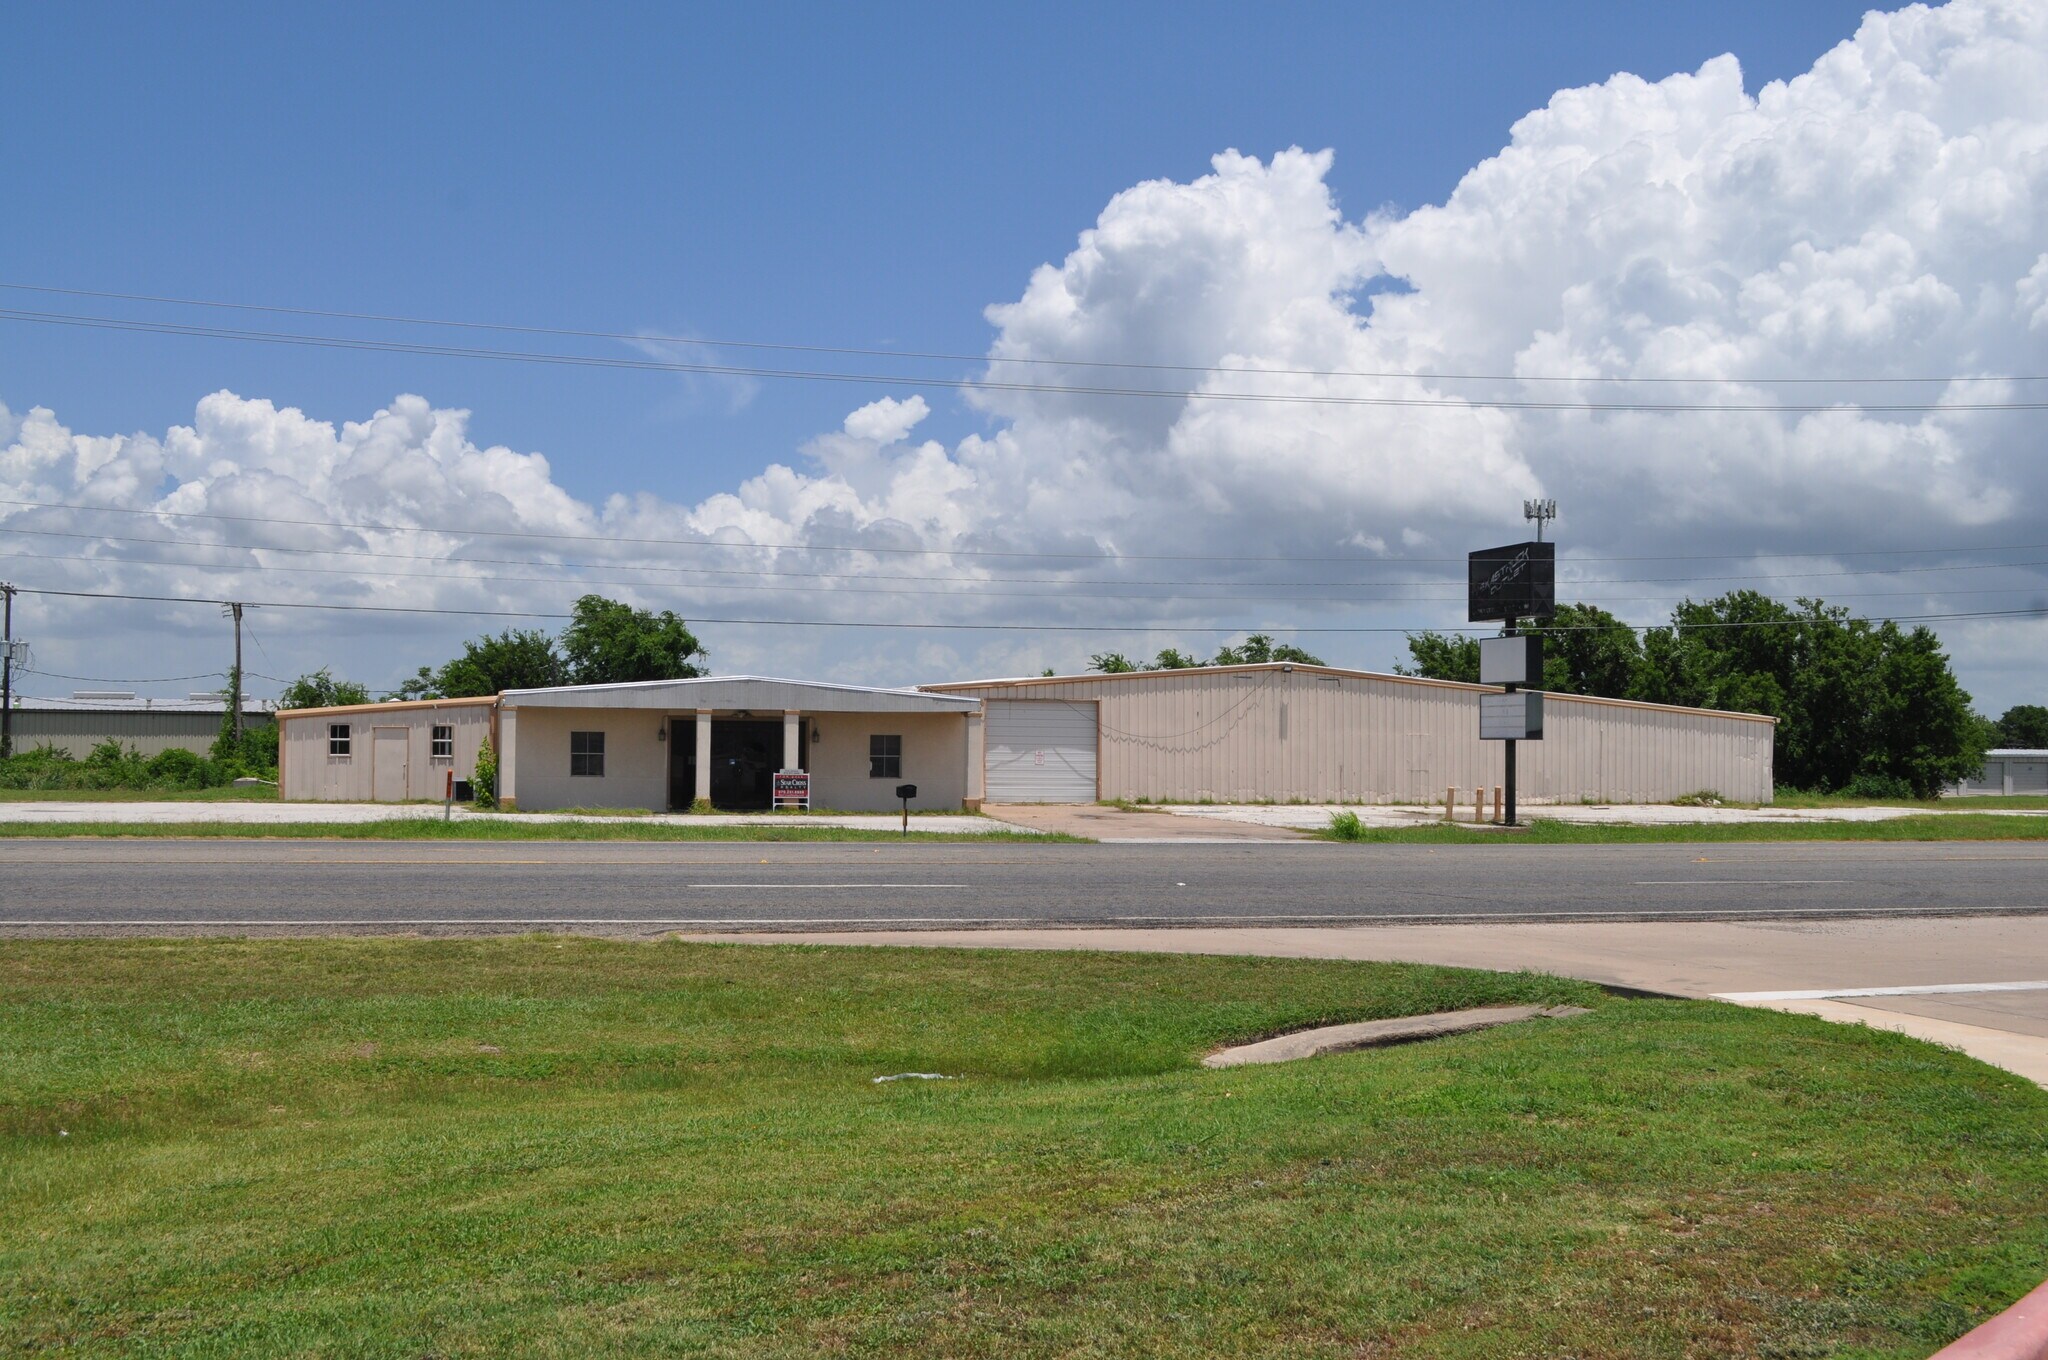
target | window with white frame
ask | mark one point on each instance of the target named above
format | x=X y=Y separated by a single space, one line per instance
x=885 y=757
x=444 y=742
x=337 y=739
x=586 y=754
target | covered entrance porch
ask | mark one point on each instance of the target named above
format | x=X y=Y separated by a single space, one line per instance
x=730 y=759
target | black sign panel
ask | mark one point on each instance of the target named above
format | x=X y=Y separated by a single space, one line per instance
x=1518 y=581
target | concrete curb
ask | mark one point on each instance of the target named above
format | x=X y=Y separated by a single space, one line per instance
x=2019 y=1333
x=1311 y=1043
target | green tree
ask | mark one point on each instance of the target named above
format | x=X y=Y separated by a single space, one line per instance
x=1174 y=659
x=1441 y=656
x=424 y=685
x=610 y=642
x=1111 y=663
x=2024 y=727
x=1854 y=700
x=1587 y=650
x=1259 y=649
x=321 y=690
x=518 y=658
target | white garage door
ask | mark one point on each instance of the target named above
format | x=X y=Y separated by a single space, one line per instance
x=1040 y=751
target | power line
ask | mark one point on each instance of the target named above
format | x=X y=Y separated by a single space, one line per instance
x=641 y=337
x=1291 y=630
x=196 y=543
x=948 y=587
x=985 y=384
x=551 y=537
x=129 y=680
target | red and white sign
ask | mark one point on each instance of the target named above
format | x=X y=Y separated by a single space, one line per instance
x=793 y=789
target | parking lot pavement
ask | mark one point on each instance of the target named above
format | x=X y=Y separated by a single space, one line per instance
x=1846 y=970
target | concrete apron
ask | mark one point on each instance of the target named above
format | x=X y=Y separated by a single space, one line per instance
x=1714 y=959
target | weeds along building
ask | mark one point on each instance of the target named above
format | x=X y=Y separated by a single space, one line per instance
x=1274 y=732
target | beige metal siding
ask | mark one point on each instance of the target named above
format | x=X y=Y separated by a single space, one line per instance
x=150 y=732
x=306 y=771
x=1258 y=734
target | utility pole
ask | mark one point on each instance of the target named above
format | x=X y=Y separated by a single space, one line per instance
x=7 y=673
x=235 y=683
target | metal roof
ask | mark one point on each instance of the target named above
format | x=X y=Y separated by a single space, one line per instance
x=109 y=701
x=752 y=692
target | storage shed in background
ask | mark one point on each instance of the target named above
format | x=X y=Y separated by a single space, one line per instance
x=1282 y=731
x=2009 y=770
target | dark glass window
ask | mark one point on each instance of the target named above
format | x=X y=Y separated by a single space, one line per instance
x=586 y=754
x=885 y=757
x=337 y=739
x=444 y=742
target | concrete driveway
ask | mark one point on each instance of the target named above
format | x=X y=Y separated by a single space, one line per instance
x=1114 y=825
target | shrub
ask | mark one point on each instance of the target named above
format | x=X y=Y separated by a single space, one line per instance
x=1345 y=826
x=178 y=768
x=484 y=780
x=1878 y=786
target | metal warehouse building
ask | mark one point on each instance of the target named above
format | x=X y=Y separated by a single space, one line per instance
x=1284 y=731
x=1229 y=733
x=151 y=726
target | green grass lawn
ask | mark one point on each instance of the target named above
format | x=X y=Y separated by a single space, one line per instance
x=544 y=1147
x=227 y=793
x=434 y=829
x=2019 y=802
x=1546 y=831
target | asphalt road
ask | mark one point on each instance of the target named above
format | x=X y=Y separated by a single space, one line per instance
x=115 y=886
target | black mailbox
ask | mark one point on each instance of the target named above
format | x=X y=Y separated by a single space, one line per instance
x=906 y=791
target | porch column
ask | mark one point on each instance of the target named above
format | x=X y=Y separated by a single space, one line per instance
x=977 y=762
x=703 y=789
x=508 y=758
x=792 y=738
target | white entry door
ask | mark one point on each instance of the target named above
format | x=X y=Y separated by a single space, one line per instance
x=387 y=764
x=1040 y=750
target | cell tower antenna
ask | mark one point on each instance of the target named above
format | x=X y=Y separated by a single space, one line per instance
x=1540 y=511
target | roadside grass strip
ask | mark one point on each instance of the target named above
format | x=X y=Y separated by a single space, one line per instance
x=568 y=1147
x=1540 y=830
x=434 y=829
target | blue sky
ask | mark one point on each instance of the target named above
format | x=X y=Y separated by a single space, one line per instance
x=868 y=176
x=1559 y=189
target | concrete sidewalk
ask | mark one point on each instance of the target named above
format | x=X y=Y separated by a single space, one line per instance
x=352 y=814
x=1952 y=957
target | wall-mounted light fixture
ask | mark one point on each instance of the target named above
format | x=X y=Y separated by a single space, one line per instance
x=661 y=732
x=814 y=734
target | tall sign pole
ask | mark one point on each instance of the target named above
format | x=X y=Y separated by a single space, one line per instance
x=7 y=673
x=1511 y=583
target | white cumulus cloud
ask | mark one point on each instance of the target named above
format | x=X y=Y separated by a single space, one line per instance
x=1880 y=216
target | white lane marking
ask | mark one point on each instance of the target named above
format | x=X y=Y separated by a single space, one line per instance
x=1943 y=989
x=1766 y=882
